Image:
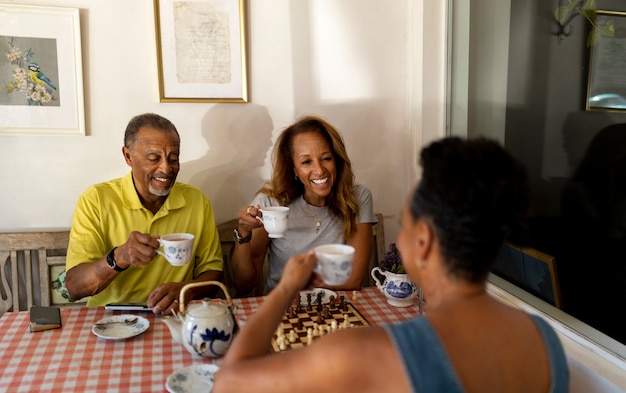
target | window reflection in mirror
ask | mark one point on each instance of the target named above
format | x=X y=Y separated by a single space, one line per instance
x=514 y=79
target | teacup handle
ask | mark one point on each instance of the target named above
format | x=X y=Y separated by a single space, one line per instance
x=159 y=251
x=181 y=302
x=376 y=280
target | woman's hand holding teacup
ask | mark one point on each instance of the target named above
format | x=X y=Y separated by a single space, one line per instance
x=248 y=219
x=298 y=273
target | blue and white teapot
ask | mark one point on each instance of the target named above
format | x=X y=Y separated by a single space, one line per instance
x=206 y=328
x=399 y=290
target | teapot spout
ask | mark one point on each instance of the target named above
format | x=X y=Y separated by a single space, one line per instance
x=175 y=326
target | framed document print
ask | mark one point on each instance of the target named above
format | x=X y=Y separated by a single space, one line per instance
x=606 y=87
x=201 y=50
x=40 y=71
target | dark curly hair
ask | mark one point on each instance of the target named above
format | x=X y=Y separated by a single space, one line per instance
x=472 y=193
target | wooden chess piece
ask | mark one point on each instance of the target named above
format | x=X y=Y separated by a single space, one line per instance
x=320 y=296
x=320 y=318
x=326 y=312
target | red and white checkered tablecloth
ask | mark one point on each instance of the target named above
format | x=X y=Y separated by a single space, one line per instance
x=72 y=359
x=370 y=302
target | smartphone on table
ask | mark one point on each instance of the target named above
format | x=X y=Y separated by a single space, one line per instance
x=127 y=307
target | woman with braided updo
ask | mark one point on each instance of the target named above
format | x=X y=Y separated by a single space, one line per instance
x=453 y=225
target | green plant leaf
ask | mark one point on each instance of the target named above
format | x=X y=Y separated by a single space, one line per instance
x=562 y=13
x=607 y=30
x=589 y=5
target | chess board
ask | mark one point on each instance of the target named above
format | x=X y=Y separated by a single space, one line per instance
x=300 y=320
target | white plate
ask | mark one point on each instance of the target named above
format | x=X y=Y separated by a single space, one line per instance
x=326 y=294
x=196 y=378
x=120 y=331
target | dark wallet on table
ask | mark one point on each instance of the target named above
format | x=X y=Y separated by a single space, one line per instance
x=44 y=318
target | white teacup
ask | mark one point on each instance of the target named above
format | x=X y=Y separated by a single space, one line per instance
x=334 y=263
x=274 y=220
x=177 y=248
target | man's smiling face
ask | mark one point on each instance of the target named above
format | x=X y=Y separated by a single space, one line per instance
x=154 y=159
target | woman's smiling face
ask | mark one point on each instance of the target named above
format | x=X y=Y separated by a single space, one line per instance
x=314 y=164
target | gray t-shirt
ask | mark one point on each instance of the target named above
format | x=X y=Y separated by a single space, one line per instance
x=302 y=235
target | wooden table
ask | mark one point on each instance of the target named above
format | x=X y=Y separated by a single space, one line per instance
x=72 y=359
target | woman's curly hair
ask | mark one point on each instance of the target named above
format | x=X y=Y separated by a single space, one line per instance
x=473 y=193
x=285 y=187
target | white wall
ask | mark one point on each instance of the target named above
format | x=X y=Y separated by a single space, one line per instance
x=345 y=60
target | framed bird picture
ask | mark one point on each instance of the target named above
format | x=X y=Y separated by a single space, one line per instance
x=201 y=50
x=41 y=86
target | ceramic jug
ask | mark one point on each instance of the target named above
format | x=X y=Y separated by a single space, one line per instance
x=399 y=290
x=206 y=328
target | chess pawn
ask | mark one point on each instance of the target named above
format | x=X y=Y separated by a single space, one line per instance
x=281 y=343
x=292 y=336
x=346 y=322
x=333 y=325
x=320 y=318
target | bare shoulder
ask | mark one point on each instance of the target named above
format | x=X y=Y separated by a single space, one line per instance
x=352 y=360
x=358 y=359
x=494 y=345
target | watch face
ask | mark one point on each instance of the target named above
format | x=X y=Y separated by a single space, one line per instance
x=240 y=239
x=111 y=260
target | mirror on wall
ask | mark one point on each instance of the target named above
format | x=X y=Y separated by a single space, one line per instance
x=517 y=76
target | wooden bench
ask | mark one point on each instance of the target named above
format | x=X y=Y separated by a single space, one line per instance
x=32 y=270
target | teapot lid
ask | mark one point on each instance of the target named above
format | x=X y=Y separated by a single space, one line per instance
x=207 y=309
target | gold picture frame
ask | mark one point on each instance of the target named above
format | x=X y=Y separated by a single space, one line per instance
x=201 y=50
x=606 y=83
x=532 y=270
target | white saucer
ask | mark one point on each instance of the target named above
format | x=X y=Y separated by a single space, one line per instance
x=326 y=294
x=196 y=378
x=120 y=331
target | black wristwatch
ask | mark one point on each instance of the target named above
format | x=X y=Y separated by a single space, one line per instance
x=239 y=239
x=112 y=263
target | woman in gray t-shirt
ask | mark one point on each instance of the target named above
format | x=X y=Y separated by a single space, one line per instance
x=312 y=175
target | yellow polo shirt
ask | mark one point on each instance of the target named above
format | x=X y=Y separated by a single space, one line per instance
x=108 y=212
